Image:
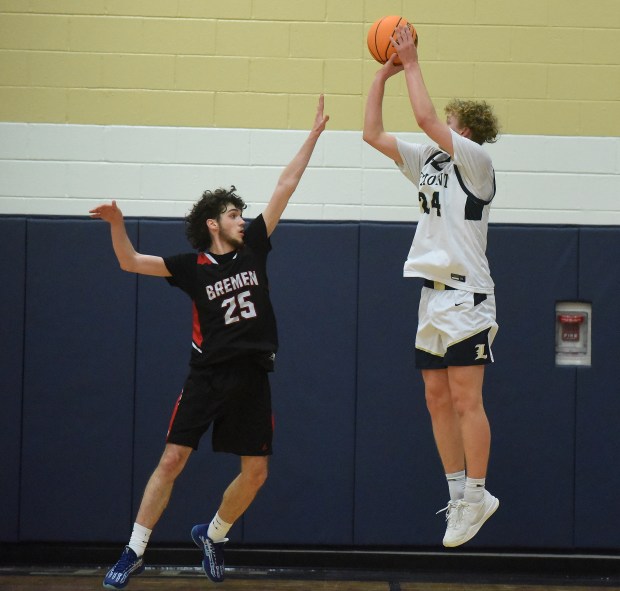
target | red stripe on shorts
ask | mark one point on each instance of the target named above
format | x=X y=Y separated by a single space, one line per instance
x=174 y=413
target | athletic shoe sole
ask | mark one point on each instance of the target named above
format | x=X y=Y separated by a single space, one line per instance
x=134 y=573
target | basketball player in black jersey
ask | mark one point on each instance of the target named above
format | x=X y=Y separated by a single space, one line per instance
x=233 y=348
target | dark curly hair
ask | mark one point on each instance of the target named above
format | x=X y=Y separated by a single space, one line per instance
x=478 y=116
x=210 y=206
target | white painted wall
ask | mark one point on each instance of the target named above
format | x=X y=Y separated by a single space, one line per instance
x=160 y=171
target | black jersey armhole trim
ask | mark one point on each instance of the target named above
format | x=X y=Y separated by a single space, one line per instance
x=474 y=205
x=432 y=156
x=438 y=165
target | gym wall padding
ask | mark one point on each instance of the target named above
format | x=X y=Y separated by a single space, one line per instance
x=105 y=355
x=395 y=450
x=13 y=273
x=530 y=401
x=398 y=476
x=314 y=285
x=598 y=395
x=78 y=395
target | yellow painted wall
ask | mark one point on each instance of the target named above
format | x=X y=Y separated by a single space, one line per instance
x=550 y=67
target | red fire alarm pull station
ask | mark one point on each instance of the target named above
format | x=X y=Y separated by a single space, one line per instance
x=570 y=325
x=573 y=337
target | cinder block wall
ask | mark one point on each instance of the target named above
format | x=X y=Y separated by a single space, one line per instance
x=550 y=66
x=98 y=100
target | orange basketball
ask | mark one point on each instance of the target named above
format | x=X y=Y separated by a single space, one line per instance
x=379 y=37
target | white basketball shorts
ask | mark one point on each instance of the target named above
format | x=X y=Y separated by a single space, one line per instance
x=455 y=327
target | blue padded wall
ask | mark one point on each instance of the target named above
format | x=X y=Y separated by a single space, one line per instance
x=104 y=355
x=531 y=402
x=163 y=346
x=78 y=384
x=526 y=396
x=13 y=273
x=308 y=496
x=598 y=396
x=398 y=483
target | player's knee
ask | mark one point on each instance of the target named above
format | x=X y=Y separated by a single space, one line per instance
x=467 y=404
x=438 y=399
x=172 y=462
x=256 y=475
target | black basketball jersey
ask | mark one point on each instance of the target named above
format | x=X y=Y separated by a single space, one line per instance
x=233 y=315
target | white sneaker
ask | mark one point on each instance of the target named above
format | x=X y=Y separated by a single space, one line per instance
x=465 y=519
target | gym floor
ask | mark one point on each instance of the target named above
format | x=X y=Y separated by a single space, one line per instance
x=34 y=567
x=192 y=578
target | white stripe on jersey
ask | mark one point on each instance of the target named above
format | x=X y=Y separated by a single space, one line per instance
x=213 y=259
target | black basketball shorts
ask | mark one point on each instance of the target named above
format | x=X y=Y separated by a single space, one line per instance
x=236 y=398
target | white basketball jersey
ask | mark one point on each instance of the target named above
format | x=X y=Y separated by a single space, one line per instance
x=450 y=241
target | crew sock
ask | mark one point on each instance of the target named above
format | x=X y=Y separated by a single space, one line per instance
x=456 y=485
x=139 y=539
x=474 y=490
x=218 y=528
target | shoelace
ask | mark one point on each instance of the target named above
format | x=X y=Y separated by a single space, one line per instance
x=216 y=556
x=454 y=512
x=213 y=548
x=208 y=544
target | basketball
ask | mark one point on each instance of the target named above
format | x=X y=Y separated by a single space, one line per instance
x=379 y=37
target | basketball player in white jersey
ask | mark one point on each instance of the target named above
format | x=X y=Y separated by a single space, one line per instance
x=456 y=184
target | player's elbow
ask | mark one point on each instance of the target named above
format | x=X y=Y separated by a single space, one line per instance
x=372 y=137
x=368 y=137
x=371 y=131
x=130 y=265
x=126 y=267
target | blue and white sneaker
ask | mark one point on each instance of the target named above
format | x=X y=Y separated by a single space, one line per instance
x=127 y=565
x=213 y=561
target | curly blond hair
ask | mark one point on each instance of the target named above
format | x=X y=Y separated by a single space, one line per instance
x=478 y=116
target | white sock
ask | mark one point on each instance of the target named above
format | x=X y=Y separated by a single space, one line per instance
x=139 y=539
x=456 y=485
x=218 y=528
x=474 y=490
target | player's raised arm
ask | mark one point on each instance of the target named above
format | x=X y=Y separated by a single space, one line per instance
x=128 y=258
x=425 y=115
x=291 y=175
x=374 y=133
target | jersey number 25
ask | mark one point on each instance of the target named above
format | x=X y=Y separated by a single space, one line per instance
x=237 y=307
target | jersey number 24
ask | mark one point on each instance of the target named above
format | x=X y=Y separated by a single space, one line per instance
x=424 y=208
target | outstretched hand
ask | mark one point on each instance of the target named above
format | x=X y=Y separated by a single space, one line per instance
x=108 y=212
x=389 y=68
x=320 y=120
x=404 y=44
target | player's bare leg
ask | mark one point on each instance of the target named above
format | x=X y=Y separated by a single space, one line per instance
x=444 y=419
x=159 y=487
x=465 y=385
x=242 y=490
x=237 y=498
x=154 y=501
x=466 y=517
